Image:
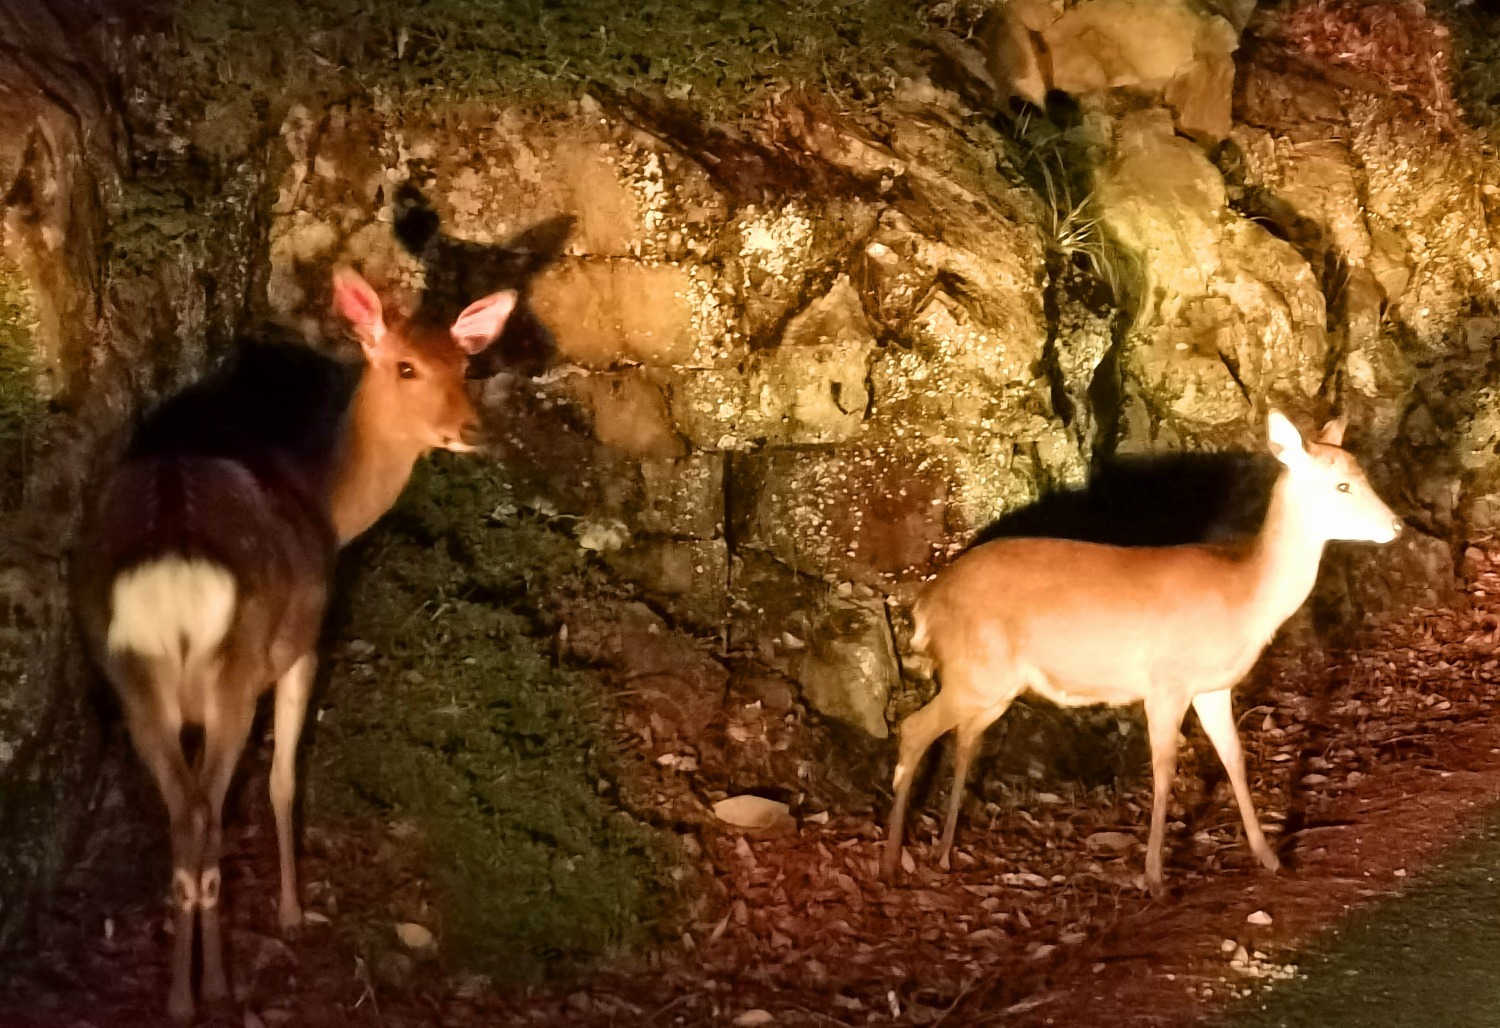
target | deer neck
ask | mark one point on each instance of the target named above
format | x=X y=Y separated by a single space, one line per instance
x=1284 y=558
x=373 y=466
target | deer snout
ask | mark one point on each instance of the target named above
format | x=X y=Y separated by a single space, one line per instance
x=468 y=438
x=1384 y=531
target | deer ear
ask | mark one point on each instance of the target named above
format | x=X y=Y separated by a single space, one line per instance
x=483 y=320
x=358 y=304
x=1285 y=440
x=1333 y=432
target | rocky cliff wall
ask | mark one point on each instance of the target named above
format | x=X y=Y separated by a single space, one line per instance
x=810 y=353
x=809 y=344
x=119 y=272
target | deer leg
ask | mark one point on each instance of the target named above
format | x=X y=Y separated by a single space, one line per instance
x=969 y=735
x=1163 y=722
x=156 y=733
x=918 y=733
x=292 y=690
x=224 y=740
x=1216 y=715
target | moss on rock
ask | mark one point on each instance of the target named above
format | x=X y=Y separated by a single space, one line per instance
x=21 y=405
x=446 y=710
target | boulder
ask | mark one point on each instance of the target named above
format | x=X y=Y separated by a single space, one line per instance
x=682 y=497
x=1167 y=48
x=850 y=666
x=837 y=318
x=629 y=413
x=1230 y=313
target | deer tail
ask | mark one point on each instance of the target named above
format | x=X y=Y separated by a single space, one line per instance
x=172 y=611
x=919 y=635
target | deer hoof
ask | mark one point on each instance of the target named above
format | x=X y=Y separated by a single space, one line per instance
x=289 y=918
x=215 y=986
x=180 y=1005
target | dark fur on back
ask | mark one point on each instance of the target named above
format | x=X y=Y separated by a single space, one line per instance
x=270 y=400
x=234 y=469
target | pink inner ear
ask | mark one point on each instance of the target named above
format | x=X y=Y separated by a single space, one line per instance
x=483 y=320
x=356 y=301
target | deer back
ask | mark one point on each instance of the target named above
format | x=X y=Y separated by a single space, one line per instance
x=234 y=472
x=1090 y=623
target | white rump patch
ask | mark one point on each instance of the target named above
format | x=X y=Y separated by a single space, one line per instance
x=174 y=609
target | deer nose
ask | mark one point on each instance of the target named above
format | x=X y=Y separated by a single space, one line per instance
x=470 y=437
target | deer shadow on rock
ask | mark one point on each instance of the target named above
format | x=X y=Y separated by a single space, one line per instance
x=459 y=271
x=1152 y=500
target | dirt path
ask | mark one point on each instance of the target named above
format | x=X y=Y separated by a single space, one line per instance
x=1367 y=765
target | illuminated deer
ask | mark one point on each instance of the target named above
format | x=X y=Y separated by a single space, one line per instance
x=204 y=571
x=1176 y=626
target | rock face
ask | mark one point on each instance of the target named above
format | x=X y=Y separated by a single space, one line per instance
x=1231 y=316
x=805 y=358
x=734 y=348
x=849 y=669
x=112 y=289
x=1167 y=49
x=831 y=339
x=52 y=162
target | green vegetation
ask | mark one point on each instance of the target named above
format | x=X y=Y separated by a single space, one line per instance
x=460 y=722
x=1477 y=66
x=20 y=406
x=154 y=218
x=717 y=54
x=1057 y=160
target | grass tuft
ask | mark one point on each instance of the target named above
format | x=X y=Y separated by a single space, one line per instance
x=719 y=54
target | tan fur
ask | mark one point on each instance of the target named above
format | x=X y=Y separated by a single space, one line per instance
x=395 y=418
x=1082 y=623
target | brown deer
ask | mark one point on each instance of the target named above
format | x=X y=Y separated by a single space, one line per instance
x=204 y=571
x=1175 y=626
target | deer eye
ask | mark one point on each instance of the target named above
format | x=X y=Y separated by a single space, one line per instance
x=1343 y=487
x=405 y=370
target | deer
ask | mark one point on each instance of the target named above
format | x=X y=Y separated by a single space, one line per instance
x=1172 y=627
x=203 y=573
